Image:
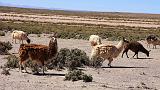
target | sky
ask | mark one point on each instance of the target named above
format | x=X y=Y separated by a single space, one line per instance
x=132 y=6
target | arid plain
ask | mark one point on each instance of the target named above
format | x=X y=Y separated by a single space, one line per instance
x=126 y=73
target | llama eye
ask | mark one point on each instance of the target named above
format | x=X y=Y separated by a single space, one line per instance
x=53 y=39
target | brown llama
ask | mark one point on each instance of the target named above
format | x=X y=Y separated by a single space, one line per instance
x=39 y=53
x=135 y=47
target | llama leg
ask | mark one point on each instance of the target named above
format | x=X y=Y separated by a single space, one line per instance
x=134 y=54
x=43 y=67
x=137 y=55
x=20 y=66
x=148 y=45
x=12 y=40
x=22 y=41
x=123 y=53
x=127 y=54
x=110 y=60
x=23 y=63
x=15 y=41
x=154 y=46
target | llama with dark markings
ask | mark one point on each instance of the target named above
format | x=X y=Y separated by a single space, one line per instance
x=108 y=52
x=152 y=39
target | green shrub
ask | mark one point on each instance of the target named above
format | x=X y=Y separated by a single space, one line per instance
x=8 y=45
x=81 y=31
x=70 y=58
x=87 y=78
x=4 y=47
x=76 y=75
x=12 y=62
x=5 y=72
x=97 y=62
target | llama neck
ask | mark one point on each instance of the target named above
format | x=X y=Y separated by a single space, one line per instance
x=119 y=46
x=53 y=49
x=144 y=50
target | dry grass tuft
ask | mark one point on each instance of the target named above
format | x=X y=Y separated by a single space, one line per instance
x=5 y=47
x=76 y=75
x=5 y=72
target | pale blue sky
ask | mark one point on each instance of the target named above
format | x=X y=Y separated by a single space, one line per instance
x=137 y=6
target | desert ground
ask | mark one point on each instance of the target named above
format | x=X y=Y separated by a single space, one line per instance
x=126 y=73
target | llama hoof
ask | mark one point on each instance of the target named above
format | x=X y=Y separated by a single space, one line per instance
x=109 y=65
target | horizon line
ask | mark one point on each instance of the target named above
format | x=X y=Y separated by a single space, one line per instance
x=43 y=8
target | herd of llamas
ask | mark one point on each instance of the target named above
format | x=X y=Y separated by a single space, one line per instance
x=42 y=53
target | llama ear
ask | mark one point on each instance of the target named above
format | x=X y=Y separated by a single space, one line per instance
x=125 y=40
x=55 y=34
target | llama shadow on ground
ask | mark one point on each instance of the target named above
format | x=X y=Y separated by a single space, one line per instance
x=48 y=74
x=123 y=67
x=142 y=58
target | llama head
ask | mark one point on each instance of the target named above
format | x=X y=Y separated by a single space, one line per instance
x=28 y=41
x=53 y=42
x=125 y=40
x=148 y=53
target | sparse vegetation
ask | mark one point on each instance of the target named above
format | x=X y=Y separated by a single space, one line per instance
x=12 y=62
x=70 y=58
x=4 y=47
x=97 y=63
x=5 y=72
x=76 y=75
x=82 y=30
x=87 y=78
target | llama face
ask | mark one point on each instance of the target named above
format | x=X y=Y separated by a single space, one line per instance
x=28 y=41
x=53 y=39
x=53 y=42
x=148 y=53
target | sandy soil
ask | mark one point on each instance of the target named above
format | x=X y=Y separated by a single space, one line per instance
x=126 y=73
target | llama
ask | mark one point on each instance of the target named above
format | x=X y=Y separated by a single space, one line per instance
x=156 y=42
x=151 y=39
x=135 y=47
x=20 y=35
x=108 y=51
x=39 y=53
x=95 y=40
